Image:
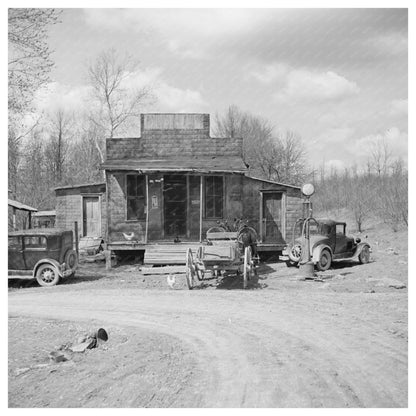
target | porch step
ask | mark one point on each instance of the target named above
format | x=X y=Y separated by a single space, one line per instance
x=169 y=254
x=163 y=270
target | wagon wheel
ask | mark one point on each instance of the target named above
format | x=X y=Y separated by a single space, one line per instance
x=248 y=267
x=199 y=272
x=190 y=269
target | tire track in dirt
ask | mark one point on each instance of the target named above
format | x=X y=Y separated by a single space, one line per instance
x=256 y=349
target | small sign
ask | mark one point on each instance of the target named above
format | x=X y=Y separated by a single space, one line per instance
x=194 y=201
x=155 y=202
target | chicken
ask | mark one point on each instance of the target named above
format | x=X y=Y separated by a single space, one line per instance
x=171 y=280
x=128 y=237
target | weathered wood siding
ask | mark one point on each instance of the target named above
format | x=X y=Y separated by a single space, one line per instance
x=242 y=199
x=117 y=211
x=69 y=206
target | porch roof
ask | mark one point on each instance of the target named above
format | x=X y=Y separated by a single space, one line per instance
x=184 y=164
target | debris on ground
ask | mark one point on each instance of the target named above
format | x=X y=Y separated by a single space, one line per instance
x=85 y=342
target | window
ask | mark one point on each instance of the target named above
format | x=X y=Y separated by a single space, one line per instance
x=14 y=243
x=340 y=229
x=136 y=197
x=35 y=242
x=214 y=196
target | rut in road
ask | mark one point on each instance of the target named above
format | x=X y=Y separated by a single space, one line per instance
x=256 y=349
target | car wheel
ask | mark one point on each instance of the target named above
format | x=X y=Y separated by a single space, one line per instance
x=71 y=259
x=47 y=275
x=364 y=256
x=295 y=253
x=324 y=262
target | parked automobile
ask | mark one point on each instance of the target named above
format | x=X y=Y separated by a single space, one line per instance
x=329 y=243
x=44 y=254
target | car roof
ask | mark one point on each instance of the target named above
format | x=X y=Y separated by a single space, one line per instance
x=328 y=221
x=39 y=231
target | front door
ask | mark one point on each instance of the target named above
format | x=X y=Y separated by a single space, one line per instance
x=175 y=205
x=91 y=216
x=272 y=217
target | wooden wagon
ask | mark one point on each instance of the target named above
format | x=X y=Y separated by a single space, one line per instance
x=224 y=253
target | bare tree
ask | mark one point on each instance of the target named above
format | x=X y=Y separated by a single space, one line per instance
x=29 y=54
x=117 y=104
x=276 y=157
x=56 y=151
x=380 y=156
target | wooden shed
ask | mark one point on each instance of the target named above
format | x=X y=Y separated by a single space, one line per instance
x=175 y=181
x=86 y=205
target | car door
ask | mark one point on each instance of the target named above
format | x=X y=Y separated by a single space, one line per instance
x=341 y=243
x=35 y=249
x=16 y=261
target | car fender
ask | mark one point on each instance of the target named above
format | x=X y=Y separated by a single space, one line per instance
x=52 y=262
x=359 y=249
x=316 y=252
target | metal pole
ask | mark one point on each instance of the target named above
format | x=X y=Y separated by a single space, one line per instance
x=147 y=207
x=76 y=236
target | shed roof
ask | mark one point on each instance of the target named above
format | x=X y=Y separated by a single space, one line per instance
x=39 y=231
x=19 y=205
x=274 y=182
x=79 y=185
x=184 y=164
x=50 y=213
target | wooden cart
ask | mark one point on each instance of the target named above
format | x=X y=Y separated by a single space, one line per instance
x=224 y=253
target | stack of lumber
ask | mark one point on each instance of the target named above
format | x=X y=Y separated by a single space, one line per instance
x=159 y=254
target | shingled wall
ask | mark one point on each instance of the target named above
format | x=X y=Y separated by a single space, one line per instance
x=170 y=135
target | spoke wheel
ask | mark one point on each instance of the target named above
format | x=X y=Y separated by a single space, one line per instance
x=295 y=252
x=248 y=268
x=190 y=269
x=47 y=275
x=364 y=256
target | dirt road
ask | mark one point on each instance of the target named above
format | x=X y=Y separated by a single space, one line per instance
x=258 y=348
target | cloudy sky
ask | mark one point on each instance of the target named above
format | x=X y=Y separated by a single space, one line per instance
x=338 y=77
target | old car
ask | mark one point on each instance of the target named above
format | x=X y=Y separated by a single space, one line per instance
x=46 y=255
x=328 y=243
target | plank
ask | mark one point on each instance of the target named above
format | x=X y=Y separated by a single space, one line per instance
x=163 y=270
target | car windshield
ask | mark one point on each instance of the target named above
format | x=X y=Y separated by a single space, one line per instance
x=314 y=229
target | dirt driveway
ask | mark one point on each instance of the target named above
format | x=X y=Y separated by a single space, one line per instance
x=341 y=342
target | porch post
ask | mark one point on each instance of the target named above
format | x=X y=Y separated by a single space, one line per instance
x=147 y=207
x=200 y=209
x=14 y=219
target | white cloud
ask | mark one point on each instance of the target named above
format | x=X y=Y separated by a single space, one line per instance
x=389 y=44
x=395 y=140
x=77 y=98
x=307 y=85
x=267 y=74
x=399 y=107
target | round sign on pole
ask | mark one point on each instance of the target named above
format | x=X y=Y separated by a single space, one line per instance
x=308 y=189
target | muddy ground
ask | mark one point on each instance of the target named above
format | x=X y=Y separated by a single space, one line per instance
x=338 y=341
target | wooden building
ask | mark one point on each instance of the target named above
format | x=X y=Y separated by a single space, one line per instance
x=19 y=215
x=84 y=204
x=175 y=181
x=44 y=219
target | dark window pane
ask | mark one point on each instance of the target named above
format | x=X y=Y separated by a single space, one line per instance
x=140 y=186
x=35 y=242
x=14 y=243
x=218 y=207
x=131 y=185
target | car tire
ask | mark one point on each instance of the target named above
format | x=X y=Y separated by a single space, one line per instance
x=47 y=275
x=325 y=260
x=71 y=259
x=364 y=256
x=295 y=253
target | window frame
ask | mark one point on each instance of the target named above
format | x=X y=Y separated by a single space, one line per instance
x=206 y=217
x=143 y=198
